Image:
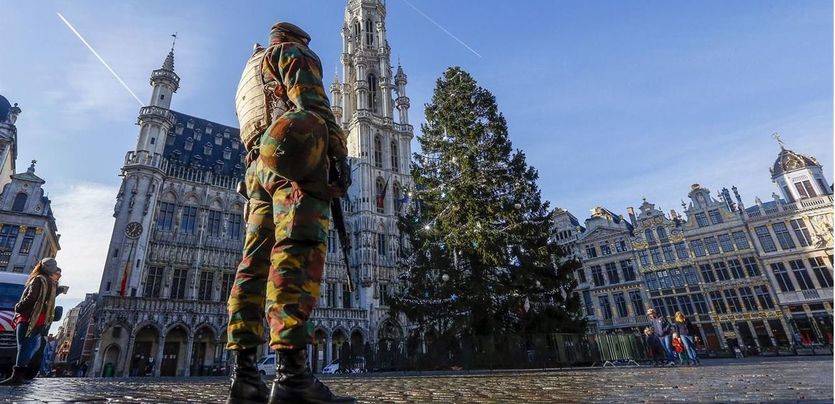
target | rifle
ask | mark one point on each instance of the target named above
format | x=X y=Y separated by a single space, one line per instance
x=344 y=240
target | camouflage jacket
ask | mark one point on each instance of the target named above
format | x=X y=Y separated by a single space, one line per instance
x=299 y=71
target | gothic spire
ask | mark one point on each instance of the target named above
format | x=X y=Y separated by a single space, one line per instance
x=169 y=60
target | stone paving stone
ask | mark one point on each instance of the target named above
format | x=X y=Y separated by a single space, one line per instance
x=754 y=379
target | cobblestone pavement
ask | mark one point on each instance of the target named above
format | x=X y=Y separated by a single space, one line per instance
x=755 y=379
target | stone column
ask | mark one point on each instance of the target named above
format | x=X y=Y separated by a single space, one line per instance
x=328 y=350
x=338 y=294
x=97 y=360
x=158 y=355
x=754 y=334
x=127 y=359
x=189 y=349
x=788 y=330
x=720 y=334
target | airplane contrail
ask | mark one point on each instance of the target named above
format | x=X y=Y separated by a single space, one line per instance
x=96 y=54
x=428 y=18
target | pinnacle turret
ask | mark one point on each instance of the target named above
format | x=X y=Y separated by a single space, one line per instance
x=169 y=61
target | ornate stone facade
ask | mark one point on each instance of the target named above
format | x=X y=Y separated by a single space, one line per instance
x=28 y=231
x=753 y=277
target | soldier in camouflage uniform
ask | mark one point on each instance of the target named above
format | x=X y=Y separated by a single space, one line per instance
x=287 y=217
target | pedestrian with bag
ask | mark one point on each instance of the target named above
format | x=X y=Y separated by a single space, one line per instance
x=687 y=331
x=33 y=316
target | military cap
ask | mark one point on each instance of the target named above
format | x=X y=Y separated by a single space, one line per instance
x=291 y=29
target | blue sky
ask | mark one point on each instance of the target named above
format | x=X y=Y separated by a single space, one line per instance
x=612 y=101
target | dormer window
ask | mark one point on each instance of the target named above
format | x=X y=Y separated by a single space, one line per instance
x=197 y=134
x=179 y=129
x=207 y=149
x=218 y=139
x=209 y=129
x=226 y=134
x=189 y=144
x=190 y=124
x=227 y=153
x=235 y=145
x=169 y=140
x=19 y=202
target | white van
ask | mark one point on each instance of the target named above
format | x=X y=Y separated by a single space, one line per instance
x=11 y=288
x=266 y=366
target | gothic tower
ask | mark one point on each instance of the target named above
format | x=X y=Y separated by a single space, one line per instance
x=380 y=149
x=142 y=175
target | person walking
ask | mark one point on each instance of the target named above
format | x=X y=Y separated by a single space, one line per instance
x=655 y=352
x=664 y=330
x=287 y=214
x=48 y=359
x=687 y=331
x=33 y=315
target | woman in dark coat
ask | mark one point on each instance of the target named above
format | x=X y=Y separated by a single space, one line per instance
x=687 y=332
x=33 y=315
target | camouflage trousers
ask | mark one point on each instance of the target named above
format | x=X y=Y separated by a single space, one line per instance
x=283 y=262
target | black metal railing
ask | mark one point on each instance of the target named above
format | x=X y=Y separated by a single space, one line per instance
x=537 y=351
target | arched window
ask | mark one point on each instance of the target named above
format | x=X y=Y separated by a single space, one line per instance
x=20 y=202
x=395 y=193
x=648 y=236
x=356 y=29
x=662 y=234
x=372 y=92
x=395 y=157
x=369 y=33
x=378 y=151
x=381 y=195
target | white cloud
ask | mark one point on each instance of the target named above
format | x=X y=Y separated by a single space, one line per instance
x=83 y=213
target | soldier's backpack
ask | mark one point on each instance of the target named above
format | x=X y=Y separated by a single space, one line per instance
x=297 y=144
x=255 y=102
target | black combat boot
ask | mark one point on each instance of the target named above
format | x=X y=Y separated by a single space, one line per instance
x=17 y=378
x=247 y=386
x=294 y=383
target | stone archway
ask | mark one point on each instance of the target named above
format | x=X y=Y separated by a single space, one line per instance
x=389 y=333
x=389 y=340
x=174 y=352
x=340 y=348
x=357 y=343
x=110 y=361
x=317 y=357
x=203 y=352
x=145 y=346
x=357 y=351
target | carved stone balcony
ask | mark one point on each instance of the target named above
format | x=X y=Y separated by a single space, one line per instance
x=337 y=313
x=804 y=296
x=152 y=113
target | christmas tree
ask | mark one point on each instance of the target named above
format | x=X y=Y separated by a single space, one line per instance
x=478 y=255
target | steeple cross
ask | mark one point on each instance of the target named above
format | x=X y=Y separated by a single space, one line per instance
x=174 y=41
x=779 y=140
